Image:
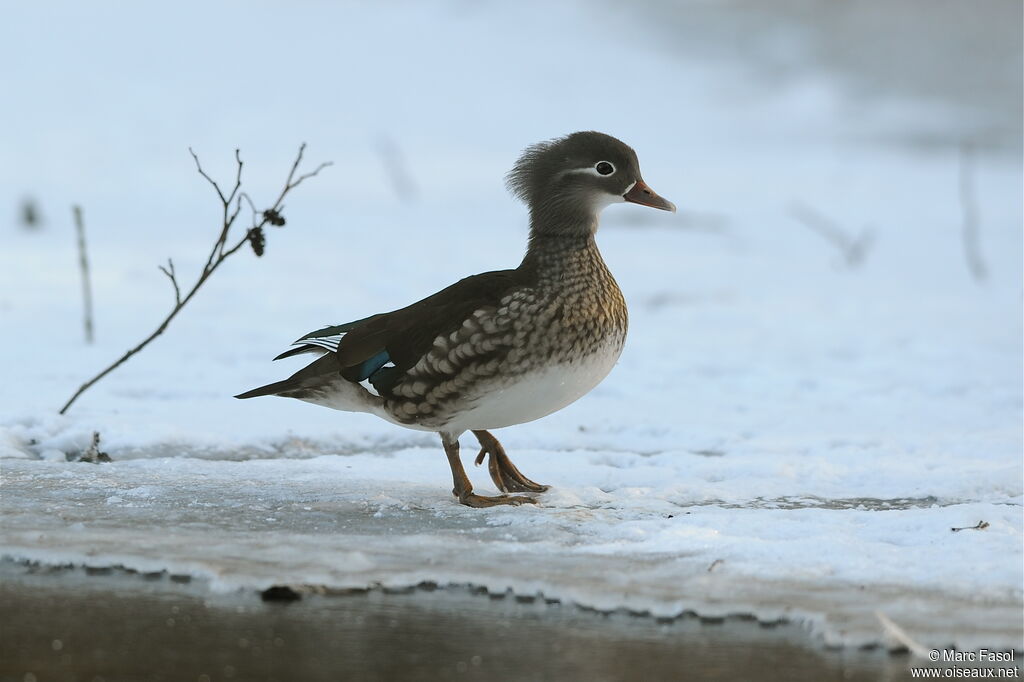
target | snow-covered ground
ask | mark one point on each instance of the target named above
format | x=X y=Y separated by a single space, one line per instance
x=785 y=434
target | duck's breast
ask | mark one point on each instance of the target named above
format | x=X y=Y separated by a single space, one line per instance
x=536 y=393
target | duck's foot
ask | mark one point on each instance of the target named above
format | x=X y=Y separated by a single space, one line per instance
x=464 y=489
x=471 y=499
x=503 y=472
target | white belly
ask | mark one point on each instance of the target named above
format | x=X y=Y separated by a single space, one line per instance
x=535 y=394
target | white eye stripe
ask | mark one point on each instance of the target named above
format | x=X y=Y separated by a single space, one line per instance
x=591 y=170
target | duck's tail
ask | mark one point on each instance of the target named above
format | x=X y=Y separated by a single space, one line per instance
x=321 y=383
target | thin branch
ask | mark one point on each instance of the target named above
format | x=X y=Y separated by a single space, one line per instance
x=218 y=254
x=306 y=176
x=291 y=183
x=217 y=251
x=248 y=199
x=203 y=173
x=83 y=265
x=295 y=166
x=169 y=271
x=229 y=220
x=236 y=247
x=971 y=223
x=234 y=214
x=238 y=176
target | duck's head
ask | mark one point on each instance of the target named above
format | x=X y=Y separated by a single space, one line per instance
x=572 y=178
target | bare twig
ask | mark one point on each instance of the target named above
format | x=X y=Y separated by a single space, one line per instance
x=853 y=248
x=971 y=223
x=218 y=254
x=171 y=275
x=83 y=265
x=293 y=182
x=981 y=525
x=208 y=178
x=252 y=206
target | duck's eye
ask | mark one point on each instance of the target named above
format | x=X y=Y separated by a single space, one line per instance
x=604 y=168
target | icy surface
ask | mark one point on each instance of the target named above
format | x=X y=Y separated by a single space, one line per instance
x=785 y=434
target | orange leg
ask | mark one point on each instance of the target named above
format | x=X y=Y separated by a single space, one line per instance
x=464 y=489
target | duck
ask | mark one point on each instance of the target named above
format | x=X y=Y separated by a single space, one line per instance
x=500 y=348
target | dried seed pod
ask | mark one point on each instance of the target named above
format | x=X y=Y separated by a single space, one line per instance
x=257 y=240
x=273 y=217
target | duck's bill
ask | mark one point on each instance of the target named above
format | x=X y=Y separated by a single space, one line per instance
x=641 y=194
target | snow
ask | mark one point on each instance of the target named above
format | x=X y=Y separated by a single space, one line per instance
x=784 y=435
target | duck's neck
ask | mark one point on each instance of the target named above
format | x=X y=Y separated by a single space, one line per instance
x=547 y=251
x=558 y=241
x=566 y=267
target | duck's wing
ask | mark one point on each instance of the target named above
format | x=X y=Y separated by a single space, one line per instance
x=383 y=347
x=322 y=340
x=401 y=338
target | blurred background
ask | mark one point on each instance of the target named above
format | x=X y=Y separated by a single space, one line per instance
x=844 y=169
x=433 y=101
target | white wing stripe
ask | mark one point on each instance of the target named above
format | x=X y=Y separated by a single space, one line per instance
x=328 y=342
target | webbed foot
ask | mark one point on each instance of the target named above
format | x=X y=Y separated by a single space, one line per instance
x=479 y=501
x=503 y=472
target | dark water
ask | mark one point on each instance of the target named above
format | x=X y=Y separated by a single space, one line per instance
x=61 y=624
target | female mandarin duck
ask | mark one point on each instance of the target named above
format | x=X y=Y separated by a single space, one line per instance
x=499 y=348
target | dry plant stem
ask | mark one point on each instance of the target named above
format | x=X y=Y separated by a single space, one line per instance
x=971 y=224
x=397 y=168
x=854 y=249
x=218 y=254
x=901 y=636
x=83 y=265
x=93 y=453
x=981 y=525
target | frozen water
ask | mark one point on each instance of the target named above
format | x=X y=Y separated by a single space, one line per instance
x=643 y=538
